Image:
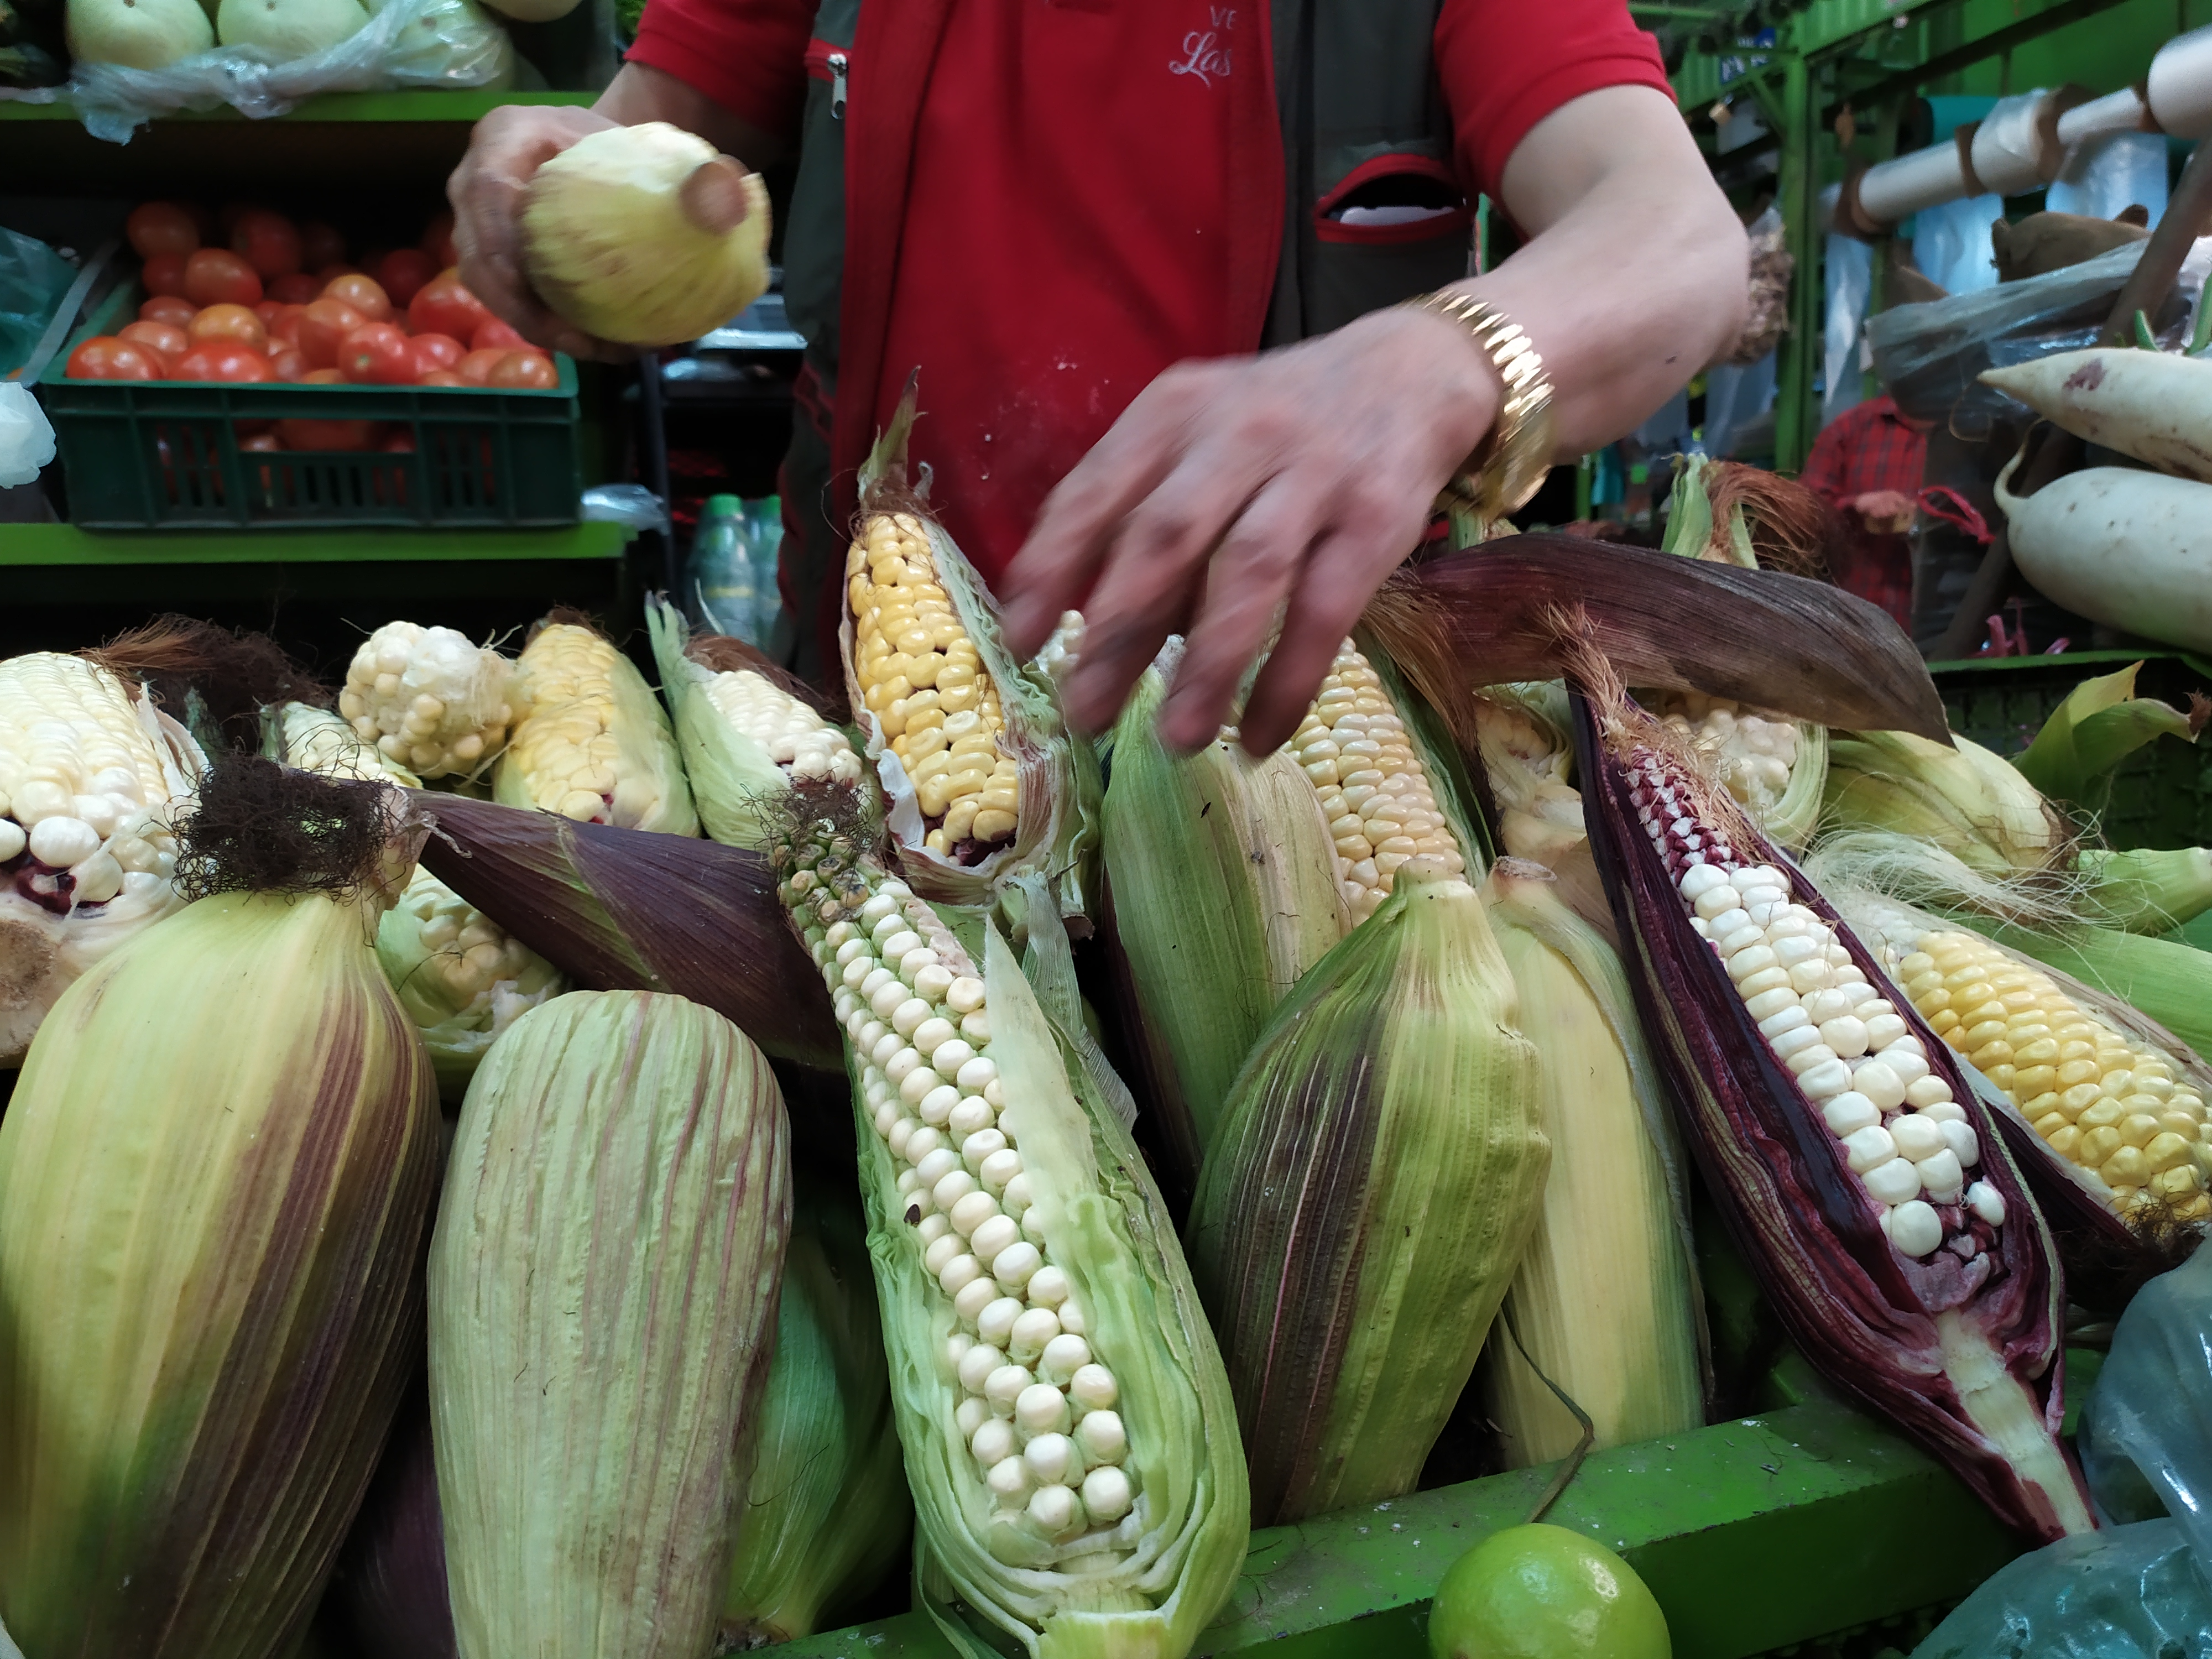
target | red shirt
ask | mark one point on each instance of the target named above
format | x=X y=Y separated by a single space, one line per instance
x=1071 y=223
x=1868 y=448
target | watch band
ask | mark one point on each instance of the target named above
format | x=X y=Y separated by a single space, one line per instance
x=1508 y=466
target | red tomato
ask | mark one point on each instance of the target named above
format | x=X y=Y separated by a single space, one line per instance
x=164 y=274
x=202 y=222
x=165 y=339
x=438 y=241
x=296 y=289
x=401 y=442
x=364 y=293
x=322 y=328
x=105 y=357
x=433 y=351
x=233 y=323
x=327 y=434
x=222 y=360
x=523 y=371
x=288 y=363
x=444 y=306
x=269 y=311
x=267 y=241
x=325 y=275
x=442 y=377
x=215 y=276
x=261 y=443
x=284 y=326
x=323 y=377
x=404 y=272
x=173 y=309
x=158 y=228
x=494 y=335
x=379 y=353
x=319 y=246
x=476 y=367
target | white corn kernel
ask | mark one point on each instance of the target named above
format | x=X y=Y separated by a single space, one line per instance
x=1054 y=1510
x=969 y=1415
x=997 y=1234
x=1942 y=1177
x=1104 y=1440
x=1879 y=1085
x=1895 y=1181
x=1041 y=1409
x=1869 y=1148
x=1063 y=1356
x=1850 y=1112
x=1052 y=1459
x=1047 y=1288
x=977 y=1365
x=1003 y=1386
x=959 y=1272
x=1914 y=1228
x=995 y=1324
x=973 y=1297
x=1009 y=1481
x=1093 y=1389
x=1106 y=1495
x=1986 y=1202
x=994 y=1440
x=1035 y=1328
x=1965 y=1145
x=1917 y=1137
x=1013 y=1265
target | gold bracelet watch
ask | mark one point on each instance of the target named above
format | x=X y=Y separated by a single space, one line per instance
x=1508 y=466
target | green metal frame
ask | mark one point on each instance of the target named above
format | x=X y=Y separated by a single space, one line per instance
x=1753 y=1536
x=421 y=105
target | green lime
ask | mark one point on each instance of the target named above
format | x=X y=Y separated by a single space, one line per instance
x=1543 y=1592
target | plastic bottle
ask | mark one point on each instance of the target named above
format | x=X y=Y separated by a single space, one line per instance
x=764 y=520
x=721 y=571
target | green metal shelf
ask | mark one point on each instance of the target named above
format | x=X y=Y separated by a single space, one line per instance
x=65 y=545
x=1754 y=1534
x=420 y=105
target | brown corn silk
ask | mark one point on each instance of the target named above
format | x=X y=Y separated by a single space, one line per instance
x=1962 y=1353
x=636 y=910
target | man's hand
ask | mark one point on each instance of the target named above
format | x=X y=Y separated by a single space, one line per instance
x=507 y=147
x=1230 y=488
x=1886 y=512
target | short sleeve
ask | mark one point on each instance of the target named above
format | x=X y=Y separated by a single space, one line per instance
x=1506 y=64
x=748 y=56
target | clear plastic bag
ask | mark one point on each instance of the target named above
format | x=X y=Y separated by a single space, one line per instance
x=2146 y=1433
x=34 y=278
x=2104 y=176
x=408 y=43
x=27 y=439
x=1848 y=275
x=1951 y=243
x=2128 y=1592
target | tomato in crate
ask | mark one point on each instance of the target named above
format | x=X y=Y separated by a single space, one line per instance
x=268 y=242
x=235 y=324
x=364 y=293
x=106 y=358
x=154 y=228
x=171 y=308
x=215 y=276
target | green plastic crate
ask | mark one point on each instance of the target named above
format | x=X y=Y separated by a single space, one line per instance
x=165 y=454
x=2161 y=794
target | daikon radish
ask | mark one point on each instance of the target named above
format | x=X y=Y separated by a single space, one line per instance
x=2130 y=550
x=2153 y=405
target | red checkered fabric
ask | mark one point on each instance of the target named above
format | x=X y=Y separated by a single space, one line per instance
x=1867 y=448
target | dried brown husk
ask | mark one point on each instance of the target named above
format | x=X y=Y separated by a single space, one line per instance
x=1925 y=1344
x=1486 y=615
x=390 y=1591
x=634 y=910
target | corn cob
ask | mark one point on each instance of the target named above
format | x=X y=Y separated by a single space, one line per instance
x=428 y=700
x=1772 y=766
x=1865 y=1185
x=2161 y=979
x=601 y=1298
x=1226 y=890
x=1605 y=1300
x=1065 y=1419
x=462 y=978
x=195 y=1202
x=1367 y=1197
x=1965 y=799
x=1380 y=800
x=828 y=1509
x=90 y=775
x=983 y=780
x=315 y=740
x=625 y=909
x=590 y=741
x=745 y=740
x=2148 y=890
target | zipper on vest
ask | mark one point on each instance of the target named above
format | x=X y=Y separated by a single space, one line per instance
x=825 y=62
x=838 y=65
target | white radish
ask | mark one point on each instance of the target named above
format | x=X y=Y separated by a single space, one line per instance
x=2130 y=550
x=2153 y=405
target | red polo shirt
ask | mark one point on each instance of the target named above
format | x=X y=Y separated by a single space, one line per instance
x=1070 y=222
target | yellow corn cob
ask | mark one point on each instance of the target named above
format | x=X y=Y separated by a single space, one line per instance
x=924 y=679
x=2101 y=1099
x=1382 y=809
x=590 y=742
x=89 y=772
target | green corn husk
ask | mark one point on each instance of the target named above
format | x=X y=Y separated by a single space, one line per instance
x=2099 y=725
x=216 y=1175
x=1964 y=799
x=1225 y=890
x=461 y=977
x=1155 y=1520
x=2148 y=890
x=1605 y=1302
x=828 y=1509
x=603 y=1290
x=1368 y=1199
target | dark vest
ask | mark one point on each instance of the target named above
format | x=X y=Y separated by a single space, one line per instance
x=1357 y=101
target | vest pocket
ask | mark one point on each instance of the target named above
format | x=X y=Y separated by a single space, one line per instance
x=1393 y=226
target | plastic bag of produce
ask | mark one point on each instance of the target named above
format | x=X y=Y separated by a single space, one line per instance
x=400 y=43
x=27 y=441
x=2146 y=1432
x=33 y=280
x=2126 y=1593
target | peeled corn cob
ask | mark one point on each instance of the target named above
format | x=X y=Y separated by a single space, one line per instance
x=462 y=978
x=590 y=741
x=1378 y=796
x=1772 y=766
x=1604 y=1301
x=315 y=740
x=1866 y=1186
x=220 y=1160
x=1066 y=1423
x=429 y=699
x=1366 y=1200
x=601 y=1298
x=745 y=740
x=90 y=776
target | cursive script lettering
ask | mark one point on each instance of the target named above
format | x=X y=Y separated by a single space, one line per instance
x=1202 y=54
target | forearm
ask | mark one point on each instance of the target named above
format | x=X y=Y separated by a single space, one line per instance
x=1638 y=281
x=639 y=92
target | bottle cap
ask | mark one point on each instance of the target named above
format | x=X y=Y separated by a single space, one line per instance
x=724 y=506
